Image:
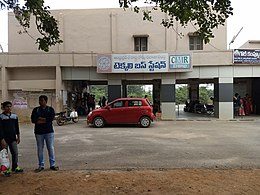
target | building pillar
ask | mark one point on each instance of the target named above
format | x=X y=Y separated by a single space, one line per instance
x=168 y=105
x=194 y=89
x=124 y=89
x=223 y=98
x=4 y=83
x=58 y=92
x=114 y=89
x=113 y=31
x=256 y=95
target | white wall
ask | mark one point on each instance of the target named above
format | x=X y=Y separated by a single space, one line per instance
x=110 y=31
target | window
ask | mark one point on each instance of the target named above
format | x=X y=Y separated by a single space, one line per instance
x=134 y=103
x=196 y=43
x=140 y=43
x=118 y=104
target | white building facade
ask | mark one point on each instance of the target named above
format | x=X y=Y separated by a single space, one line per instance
x=89 y=35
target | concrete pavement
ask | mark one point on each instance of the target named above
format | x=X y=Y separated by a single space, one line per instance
x=165 y=145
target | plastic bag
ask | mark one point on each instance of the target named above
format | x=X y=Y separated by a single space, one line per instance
x=4 y=160
x=74 y=114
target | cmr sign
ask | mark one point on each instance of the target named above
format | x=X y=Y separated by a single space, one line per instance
x=179 y=62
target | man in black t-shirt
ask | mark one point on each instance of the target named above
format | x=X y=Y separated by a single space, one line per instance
x=42 y=116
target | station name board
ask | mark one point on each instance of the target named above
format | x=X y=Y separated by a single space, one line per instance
x=143 y=63
x=246 y=56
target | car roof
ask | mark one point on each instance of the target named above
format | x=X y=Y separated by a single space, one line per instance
x=126 y=99
x=130 y=99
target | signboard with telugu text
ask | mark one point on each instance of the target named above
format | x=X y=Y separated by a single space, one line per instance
x=246 y=56
x=143 y=63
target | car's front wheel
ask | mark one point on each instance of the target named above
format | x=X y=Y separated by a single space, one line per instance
x=98 y=122
x=145 y=121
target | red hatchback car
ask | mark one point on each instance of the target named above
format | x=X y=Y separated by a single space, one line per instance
x=123 y=111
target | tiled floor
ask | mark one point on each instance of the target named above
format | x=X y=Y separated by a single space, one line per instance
x=181 y=115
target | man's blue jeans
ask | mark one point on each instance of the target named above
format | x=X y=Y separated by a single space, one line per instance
x=14 y=151
x=49 y=140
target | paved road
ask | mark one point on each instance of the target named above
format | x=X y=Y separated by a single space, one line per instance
x=165 y=145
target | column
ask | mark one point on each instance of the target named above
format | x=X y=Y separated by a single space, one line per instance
x=4 y=83
x=194 y=91
x=168 y=105
x=256 y=95
x=113 y=31
x=58 y=92
x=124 y=88
x=223 y=98
x=114 y=89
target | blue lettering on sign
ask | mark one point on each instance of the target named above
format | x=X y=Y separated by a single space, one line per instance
x=163 y=64
x=141 y=65
x=156 y=65
x=118 y=65
x=180 y=60
x=137 y=65
x=151 y=65
x=130 y=65
x=123 y=65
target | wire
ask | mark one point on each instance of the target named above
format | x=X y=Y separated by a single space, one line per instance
x=1 y=48
x=179 y=34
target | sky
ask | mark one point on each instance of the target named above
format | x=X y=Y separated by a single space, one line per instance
x=246 y=15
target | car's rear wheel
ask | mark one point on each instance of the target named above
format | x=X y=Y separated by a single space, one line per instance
x=145 y=121
x=98 y=122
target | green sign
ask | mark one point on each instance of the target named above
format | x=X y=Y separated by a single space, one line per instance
x=179 y=62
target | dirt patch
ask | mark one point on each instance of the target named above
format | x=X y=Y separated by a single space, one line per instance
x=179 y=181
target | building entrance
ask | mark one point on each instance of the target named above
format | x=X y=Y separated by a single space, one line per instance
x=84 y=96
x=195 y=99
x=150 y=87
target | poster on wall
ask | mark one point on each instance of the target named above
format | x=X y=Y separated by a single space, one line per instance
x=20 y=104
x=246 y=56
x=20 y=101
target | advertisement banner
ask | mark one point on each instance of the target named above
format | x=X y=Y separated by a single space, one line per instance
x=246 y=56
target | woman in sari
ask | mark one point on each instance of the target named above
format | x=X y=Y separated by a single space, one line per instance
x=241 y=107
x=248 y=104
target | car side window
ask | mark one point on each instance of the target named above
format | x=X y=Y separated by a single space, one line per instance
x=118 y=104
x=132 y=103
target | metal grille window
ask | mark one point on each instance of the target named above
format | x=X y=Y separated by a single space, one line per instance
x=140 y=43
x=196 y=43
